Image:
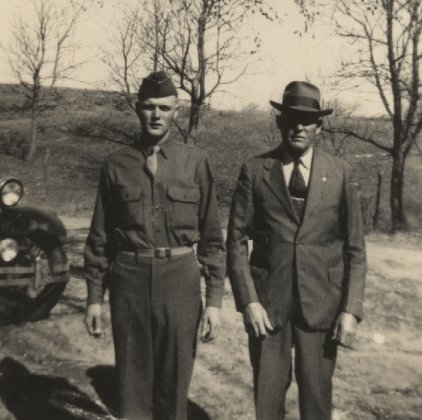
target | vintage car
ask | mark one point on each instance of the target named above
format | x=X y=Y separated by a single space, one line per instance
x=34 y=269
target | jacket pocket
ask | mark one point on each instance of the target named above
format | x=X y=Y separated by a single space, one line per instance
x=130 y=206
x=184 y=207
x=335 y=275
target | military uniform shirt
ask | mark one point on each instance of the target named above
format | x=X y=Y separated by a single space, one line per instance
x=177 y=207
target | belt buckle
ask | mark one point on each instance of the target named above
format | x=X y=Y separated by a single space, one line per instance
x=162 y=252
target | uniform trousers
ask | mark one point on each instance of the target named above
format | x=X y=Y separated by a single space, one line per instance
x=155 y=312
x=271 y=359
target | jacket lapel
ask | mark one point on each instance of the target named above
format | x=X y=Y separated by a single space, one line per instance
x=317 y=183
x=277 y=184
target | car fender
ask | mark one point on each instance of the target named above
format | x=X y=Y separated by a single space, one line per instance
x=22 y=221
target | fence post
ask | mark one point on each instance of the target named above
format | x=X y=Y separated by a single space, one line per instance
x=377 y=201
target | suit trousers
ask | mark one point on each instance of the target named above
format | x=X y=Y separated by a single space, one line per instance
x=271 y=359
x=155 y=312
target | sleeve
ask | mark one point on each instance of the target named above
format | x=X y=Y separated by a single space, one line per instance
x=97 y=248
x=211 y=250
x=240 y=224
x=354 y=248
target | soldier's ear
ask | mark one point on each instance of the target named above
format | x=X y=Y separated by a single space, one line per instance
x=176 y=109
x=137 y=107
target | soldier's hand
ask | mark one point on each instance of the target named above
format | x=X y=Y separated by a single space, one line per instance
x=93 y=320
x=345 y=329
x=210 y=323
x=256 y=320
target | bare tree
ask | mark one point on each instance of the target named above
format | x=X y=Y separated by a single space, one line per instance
x=41 y=55
x=387 y=35
x=197 y=41
x=124 y=57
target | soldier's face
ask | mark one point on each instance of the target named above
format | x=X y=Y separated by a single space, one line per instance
x=156 y=115
x=299 y=131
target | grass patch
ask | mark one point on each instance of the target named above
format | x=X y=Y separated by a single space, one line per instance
x=88 y=125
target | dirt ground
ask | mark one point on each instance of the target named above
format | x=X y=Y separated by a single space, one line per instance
x=51 y=369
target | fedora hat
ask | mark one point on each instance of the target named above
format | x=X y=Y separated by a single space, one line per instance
x=303 y=97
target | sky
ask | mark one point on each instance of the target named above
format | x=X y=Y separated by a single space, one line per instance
x=284 y=56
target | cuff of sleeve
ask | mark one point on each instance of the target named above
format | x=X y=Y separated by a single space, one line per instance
x=355 y=310
x=213 y=303
x=95 y=294
x=243 y=297
x=214 y=298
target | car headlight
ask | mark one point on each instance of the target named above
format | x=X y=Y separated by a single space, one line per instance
x=9 y=249
x=11 y=192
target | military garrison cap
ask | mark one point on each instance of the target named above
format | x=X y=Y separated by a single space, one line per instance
x=156 y=85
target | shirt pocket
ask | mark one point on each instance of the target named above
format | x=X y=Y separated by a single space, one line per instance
x=130 y=206
x=184 y=207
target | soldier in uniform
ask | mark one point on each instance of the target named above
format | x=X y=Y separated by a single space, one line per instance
x=156 y=199
x=303 y=285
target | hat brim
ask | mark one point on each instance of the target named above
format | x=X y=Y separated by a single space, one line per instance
x=301 y=108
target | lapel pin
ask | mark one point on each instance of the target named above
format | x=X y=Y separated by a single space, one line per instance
x=324 y=179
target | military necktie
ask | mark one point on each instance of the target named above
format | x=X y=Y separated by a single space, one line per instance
x=151 y=163
x=298 y=189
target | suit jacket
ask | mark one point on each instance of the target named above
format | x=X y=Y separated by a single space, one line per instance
x=325 y=252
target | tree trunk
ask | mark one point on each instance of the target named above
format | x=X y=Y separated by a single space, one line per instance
x=156 y=41
x=377 y=202
x=194 y=113
x=398 y=217
x=35 y=114
x=32 y=140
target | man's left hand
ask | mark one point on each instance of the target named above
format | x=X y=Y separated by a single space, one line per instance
x=345 y=329
x=210 y=323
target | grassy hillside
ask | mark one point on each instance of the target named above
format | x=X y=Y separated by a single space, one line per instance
x=87 y=125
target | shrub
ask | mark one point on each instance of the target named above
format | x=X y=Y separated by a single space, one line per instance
x=13 y=142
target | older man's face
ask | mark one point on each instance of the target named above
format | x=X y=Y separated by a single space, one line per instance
x=299 y=131
x=156 y=115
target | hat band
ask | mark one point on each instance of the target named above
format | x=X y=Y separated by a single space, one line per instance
x=301 y=101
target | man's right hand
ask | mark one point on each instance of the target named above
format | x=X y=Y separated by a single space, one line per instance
x=93 y=321
x=256 y=320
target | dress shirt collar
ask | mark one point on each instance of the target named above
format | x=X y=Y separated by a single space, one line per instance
x=164 y=144
x=305 y=160
x=165 y=147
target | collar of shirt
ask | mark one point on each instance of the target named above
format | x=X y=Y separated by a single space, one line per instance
x=304 y=167
x=306 y=159
x=145 y=148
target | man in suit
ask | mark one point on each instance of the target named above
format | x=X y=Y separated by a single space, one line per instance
x=303 y=284
x=156 y=199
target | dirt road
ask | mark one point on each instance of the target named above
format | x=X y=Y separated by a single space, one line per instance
x=52 y=370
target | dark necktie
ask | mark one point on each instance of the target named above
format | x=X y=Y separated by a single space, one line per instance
x=151 y=163
x=297 y=189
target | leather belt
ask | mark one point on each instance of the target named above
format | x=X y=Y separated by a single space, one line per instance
x=159 y=252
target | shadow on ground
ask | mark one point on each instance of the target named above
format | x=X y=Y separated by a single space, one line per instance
x=28 y=396
x=103 y=380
